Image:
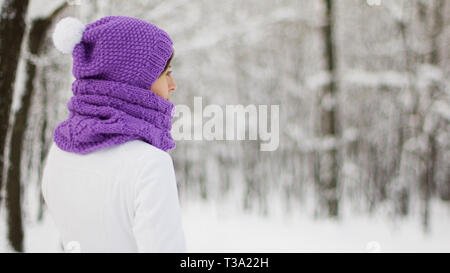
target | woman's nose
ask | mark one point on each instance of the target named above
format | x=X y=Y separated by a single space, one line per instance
x=172 y=85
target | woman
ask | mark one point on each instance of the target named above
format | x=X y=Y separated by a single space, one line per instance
x=109 y=183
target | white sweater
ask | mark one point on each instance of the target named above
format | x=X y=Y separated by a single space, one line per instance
x=118 y=199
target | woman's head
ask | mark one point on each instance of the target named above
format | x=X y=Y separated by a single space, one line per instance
x=116 y=48
x=165 y=83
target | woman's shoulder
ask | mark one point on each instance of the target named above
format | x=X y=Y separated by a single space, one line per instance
x=133 y=154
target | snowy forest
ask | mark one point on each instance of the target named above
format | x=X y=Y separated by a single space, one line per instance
x=362 y=88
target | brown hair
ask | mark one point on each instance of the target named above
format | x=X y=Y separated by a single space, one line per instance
x=168 y=63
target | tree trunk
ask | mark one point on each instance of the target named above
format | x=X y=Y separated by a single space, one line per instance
x=36 y=40
x=327 y=163
x=44 y=145
x=39 y=30
x=438 y=26
x=427 y=177
x=13 y=181
x=12 y=28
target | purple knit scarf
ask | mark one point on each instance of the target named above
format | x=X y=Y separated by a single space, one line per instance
x=107 y=113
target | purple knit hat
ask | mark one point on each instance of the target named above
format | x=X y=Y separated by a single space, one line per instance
x=121 y=49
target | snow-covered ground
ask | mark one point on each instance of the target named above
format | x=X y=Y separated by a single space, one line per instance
x=210 y=227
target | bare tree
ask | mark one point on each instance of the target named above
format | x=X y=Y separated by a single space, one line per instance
x=12 y=28
x=326 y=166
x=36 y=38
x=427 y=177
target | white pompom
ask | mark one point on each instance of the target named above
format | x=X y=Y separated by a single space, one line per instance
x=68 y=32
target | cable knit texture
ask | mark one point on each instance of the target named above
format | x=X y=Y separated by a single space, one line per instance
x=117 y=61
